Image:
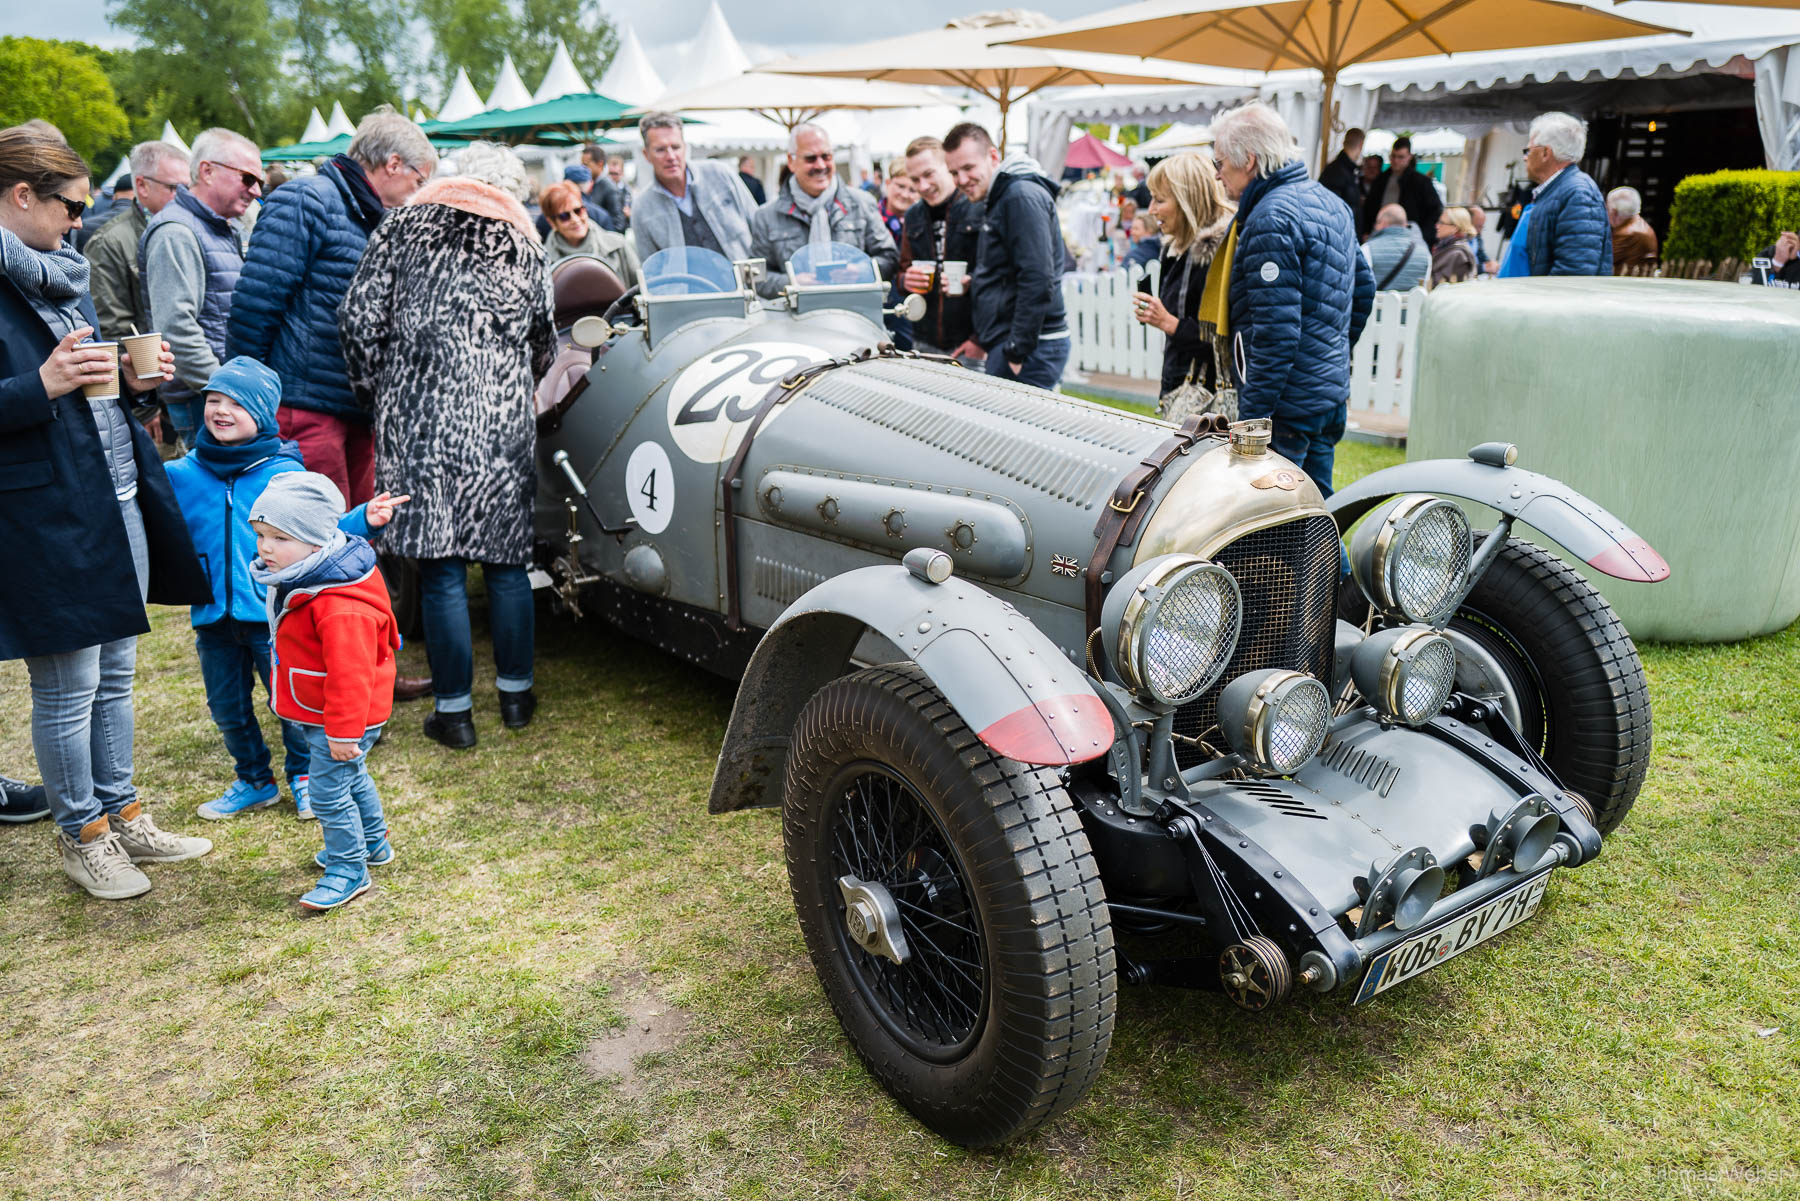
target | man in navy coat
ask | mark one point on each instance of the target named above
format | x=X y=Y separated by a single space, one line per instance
x=1568 y=233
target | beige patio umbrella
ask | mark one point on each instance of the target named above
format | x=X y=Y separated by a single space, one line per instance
x=790 y=100
x=962 y=55
x=1329 y=35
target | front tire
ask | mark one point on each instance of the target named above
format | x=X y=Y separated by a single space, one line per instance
x=1001 y=1016
x=1571 y=670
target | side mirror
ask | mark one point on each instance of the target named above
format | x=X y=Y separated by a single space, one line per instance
x=591 y=332
x=912 y=308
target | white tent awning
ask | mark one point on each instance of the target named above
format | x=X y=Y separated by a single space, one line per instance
x=562 y=79
x=339 y=122
x=463 y=100
x=630 y=77
x=509 y=90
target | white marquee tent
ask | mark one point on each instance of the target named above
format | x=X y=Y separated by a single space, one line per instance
x=463 y=100
x=630 y=77
x=509 y=90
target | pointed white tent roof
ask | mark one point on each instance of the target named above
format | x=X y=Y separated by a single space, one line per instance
x=714 y=54
x=463 y=100
x=509 y=91
x=315 y=128
x=630 y=77
x=339 y=122
x=174 y=139
x=561 y=79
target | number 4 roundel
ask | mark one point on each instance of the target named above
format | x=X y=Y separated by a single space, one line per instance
x=712 y=401
x=650 y=487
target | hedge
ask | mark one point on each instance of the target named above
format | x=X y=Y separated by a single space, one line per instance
x=1731 y=214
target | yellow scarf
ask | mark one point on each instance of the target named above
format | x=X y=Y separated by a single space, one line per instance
x=1215 y=301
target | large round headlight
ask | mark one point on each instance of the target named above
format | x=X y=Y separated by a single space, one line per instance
x=1411 y=557
x=1407 y=672
x=1277 y=719
x=1171 y=625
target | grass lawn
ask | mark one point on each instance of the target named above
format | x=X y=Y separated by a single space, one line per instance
x=574 y=983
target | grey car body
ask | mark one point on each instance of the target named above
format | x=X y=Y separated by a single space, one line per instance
x=763 y=489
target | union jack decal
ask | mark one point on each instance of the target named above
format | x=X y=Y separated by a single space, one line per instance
x=1064 y=565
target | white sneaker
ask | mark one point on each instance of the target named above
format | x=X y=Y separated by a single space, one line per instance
x=145 y=843
x=97 y=861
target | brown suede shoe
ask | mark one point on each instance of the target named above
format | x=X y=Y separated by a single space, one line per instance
x=411 y=688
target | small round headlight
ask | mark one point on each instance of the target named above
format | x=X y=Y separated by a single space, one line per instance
x=1407 y=672
x=1411 y=557
x=1277 y=719
x=1171 y=626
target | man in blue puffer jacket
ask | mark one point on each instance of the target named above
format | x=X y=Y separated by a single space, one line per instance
x=1567 y=232
x=1299 y=294
x=303 y=253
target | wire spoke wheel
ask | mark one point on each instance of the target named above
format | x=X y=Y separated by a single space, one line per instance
x=951 y=907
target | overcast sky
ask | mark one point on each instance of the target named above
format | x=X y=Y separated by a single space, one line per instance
x=764 y=28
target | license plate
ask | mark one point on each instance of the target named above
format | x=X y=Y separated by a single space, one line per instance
x=1445 y=941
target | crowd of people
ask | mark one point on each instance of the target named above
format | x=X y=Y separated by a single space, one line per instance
x=304 y=339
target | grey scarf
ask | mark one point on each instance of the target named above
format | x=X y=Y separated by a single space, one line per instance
x=818 y=208
x=54 y=281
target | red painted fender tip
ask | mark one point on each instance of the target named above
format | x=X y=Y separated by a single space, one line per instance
x=1054 y=732
x=1633 y=560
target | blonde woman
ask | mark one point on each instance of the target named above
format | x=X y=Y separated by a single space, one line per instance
x=1451 y=259
x=1189 y=205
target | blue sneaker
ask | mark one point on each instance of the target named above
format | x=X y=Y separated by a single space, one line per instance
x=301 y=787
x=241 y=797
x=337 y=887
x=381 y=853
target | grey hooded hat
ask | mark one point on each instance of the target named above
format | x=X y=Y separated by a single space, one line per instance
x=301 y=504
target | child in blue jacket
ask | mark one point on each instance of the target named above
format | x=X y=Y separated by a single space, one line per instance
x=236 y=453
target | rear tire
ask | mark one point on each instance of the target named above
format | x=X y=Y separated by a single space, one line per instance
x=1001 y=1017
x=1572 y=670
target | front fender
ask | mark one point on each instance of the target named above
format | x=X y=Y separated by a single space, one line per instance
x=1589 y=532
x=1003 y=676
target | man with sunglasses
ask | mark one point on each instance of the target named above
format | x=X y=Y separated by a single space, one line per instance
x=158 y=171
x=189 y=259
x=814 y=206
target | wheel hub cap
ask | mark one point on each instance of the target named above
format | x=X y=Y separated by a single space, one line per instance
x=873 y=920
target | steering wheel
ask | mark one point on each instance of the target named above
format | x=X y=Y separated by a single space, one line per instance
x=621 y=309
x=706 y=286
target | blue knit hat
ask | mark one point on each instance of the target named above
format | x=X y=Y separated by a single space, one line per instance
x=578 y=174
x=252 y=385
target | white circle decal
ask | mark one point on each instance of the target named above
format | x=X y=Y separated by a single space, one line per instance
x=650 y=487
x=712 y=402
x=1270 y=273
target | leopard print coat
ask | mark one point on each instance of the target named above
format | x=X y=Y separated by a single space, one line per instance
x=446 y=328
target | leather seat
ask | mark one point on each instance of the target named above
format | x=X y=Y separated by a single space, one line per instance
x=583 y=286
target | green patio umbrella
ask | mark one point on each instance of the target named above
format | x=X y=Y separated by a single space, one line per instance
x=577 y=117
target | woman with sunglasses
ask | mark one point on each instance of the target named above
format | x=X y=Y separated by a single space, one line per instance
x=89 y=523
x=571 y=233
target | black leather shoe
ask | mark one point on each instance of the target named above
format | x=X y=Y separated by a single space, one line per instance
x=411 y=688
x=454 y=730
x=21 y=802
x=516 y=708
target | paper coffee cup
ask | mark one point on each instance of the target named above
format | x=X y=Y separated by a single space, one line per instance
x=146 y=354
x=956 y=277
x=929 y=267
x=108 y=388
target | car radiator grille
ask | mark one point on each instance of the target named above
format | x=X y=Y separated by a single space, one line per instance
x=1288 y=574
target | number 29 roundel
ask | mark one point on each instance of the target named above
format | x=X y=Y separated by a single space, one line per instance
x=712 y=401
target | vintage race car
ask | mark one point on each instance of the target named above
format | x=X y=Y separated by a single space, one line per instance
x=1027 y=675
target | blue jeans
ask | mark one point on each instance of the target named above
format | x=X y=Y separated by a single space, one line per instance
x=444 y=606
x=233 y=656
x=81 y=729
x=1310 y=443
x=184 y=415
x=345 y=801
x=1043 y=369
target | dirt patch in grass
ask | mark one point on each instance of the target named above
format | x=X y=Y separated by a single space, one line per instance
x=651 y=1027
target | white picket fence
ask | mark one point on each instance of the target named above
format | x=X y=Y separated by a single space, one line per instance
x=1386 y=357
x=1107 y=338
x=1104 y=335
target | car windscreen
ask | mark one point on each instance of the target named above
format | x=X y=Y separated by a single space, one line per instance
x=820 y=264
x=688 y=271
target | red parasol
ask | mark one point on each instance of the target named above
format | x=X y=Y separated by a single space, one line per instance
x=1089 y=153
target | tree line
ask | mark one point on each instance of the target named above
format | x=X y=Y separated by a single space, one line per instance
x=260 y=66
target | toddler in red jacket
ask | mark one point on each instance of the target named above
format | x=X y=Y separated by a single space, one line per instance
x=334 y=641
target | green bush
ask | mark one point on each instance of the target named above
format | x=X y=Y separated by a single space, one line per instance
x=1731 y=214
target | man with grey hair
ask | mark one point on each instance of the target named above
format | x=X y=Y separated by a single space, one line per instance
x=1396 y=251
x=189 y=259
x=158 y=171
x=814 y=206
x=303 y=253
x=698 y=204
x=1633 y=241
x=1298 y=292
x=1564 y=230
